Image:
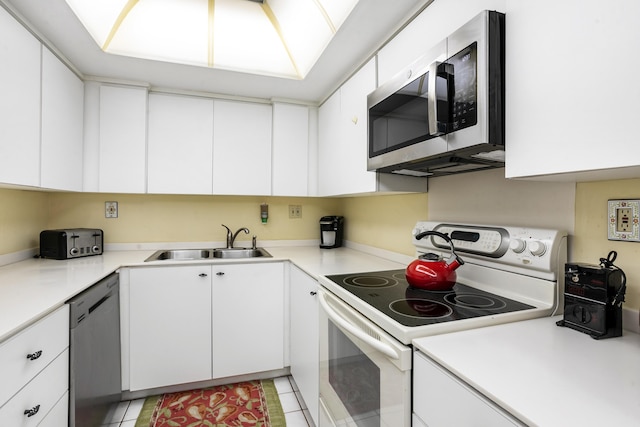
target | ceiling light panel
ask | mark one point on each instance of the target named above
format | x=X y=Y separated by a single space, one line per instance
x=271 y=37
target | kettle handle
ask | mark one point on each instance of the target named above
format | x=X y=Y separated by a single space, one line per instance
x=454 y=255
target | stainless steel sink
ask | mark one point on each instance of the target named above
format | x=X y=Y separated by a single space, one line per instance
x=240 y=253
x=201 y=254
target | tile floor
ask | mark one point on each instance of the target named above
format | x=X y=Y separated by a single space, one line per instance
x=292 y=404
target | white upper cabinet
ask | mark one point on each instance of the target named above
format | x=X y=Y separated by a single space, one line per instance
x=343 y=146
x=122 y=139
x=242 y=148
x=290 y=150
x=180 y=144
x=62 y=126
x=571 y=91
x=19 y=104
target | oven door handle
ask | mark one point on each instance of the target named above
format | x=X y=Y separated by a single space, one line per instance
x=359 y=333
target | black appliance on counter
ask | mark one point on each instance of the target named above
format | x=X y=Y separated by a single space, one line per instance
x=593 y=296
x=71 y=243
x=331 y=230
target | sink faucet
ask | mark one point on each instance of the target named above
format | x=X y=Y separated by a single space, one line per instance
x=231 y=237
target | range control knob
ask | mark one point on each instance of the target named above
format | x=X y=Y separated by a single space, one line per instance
x=537 y=248
x=74 y=251
x=95 y=249
x=517 y=245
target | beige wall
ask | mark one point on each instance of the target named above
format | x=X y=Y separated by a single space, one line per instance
x=590 y=242
x=23 y=214
x=164 y=218
x=384 y=221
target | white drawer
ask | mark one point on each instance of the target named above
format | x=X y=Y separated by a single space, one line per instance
x=40 y=396
x=44 y=341
x=59 y=415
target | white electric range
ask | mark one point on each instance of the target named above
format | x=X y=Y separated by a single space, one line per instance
x=368 y=319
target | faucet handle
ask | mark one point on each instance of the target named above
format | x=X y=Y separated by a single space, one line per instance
x=253 y=242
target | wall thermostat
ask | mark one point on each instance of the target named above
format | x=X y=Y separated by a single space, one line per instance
x=623 y=218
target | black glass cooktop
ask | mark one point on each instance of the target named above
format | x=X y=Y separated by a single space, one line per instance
x=389 y=292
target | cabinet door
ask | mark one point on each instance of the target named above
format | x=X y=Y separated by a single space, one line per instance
x=242 y=148
x=169 y=326
x=353 y=123
x=329 y=146
x=565 y=114
x=438 y=397
x=123 y=139
x=290 y=150
x=62 y=124
x=180 y=144
x=248 y=318
x=304 y=338
x=19 y=104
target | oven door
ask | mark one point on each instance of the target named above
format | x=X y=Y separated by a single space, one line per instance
x=365 y=374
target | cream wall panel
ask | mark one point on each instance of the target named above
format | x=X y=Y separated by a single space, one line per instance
x=23 y=215
x=590 y=242
x=385 y=221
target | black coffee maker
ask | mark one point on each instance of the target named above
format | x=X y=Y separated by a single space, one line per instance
x=331 y=229
x=593 y=296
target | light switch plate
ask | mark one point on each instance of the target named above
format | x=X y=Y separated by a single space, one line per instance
x=623 y=220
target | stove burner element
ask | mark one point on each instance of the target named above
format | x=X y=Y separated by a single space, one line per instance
x=483 y=302
x=370 y=281
x=420 y=308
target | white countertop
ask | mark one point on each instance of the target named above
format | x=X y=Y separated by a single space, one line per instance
x=33 y=288
x=547 y=375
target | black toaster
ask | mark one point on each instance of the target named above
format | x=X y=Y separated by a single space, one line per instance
x=71 y=243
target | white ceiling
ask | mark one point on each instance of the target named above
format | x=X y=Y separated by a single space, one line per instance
x=369 y=26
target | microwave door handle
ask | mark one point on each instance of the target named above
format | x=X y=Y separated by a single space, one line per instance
x=381 y=347
x=432 y=100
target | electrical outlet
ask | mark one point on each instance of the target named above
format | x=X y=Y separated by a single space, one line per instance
x=623 y=220
x=295 y=211
x=111 y=209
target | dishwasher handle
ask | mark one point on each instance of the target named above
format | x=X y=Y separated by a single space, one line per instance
x=357 y=332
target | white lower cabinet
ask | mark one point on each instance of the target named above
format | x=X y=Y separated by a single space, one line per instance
x=442 y=400
x=169 y=326
x=248 y=318
x=34 y=367
x=198 y=322
x=304 y=338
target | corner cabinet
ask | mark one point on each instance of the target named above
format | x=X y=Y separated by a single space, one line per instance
x=169 y=326
x=305 y=350
x=343 y=152
x=34 y=367
x=248 y=318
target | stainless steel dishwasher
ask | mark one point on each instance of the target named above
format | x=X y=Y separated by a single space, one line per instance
x=94 y=362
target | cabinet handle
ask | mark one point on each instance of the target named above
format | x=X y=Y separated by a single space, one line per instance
x=31 y=412
x=34 y=356
x=202 y=274
x=312 y=293
x=220 y=273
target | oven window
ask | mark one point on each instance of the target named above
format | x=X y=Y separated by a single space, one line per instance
x=354 y=378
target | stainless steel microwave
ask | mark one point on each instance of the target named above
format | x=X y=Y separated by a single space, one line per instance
x=443 y=114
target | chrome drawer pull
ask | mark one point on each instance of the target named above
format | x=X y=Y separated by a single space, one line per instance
x=34 y=356
x=31 y=412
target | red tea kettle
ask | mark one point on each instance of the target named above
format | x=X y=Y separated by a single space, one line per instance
x=430 y=271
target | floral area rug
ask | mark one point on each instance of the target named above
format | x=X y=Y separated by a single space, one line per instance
x=249 y=403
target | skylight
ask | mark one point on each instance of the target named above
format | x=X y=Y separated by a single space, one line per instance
x=281 y=38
